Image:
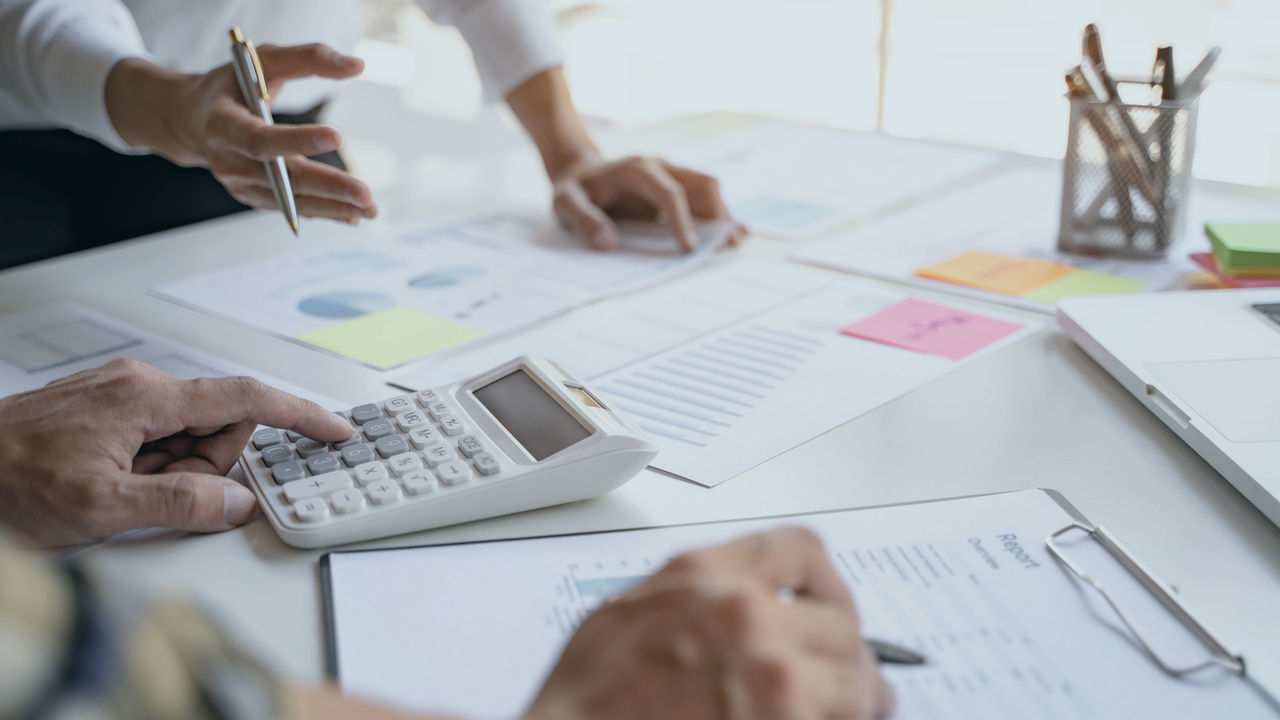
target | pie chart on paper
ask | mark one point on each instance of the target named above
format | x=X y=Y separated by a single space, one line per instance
x=344 y=305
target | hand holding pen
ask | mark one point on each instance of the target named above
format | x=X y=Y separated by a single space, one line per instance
x=200 y=120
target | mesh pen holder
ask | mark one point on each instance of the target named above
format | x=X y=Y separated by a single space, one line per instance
x=1127 y=175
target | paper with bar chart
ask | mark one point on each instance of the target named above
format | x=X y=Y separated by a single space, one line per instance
x=39 y=346
x=386 y=297
x=1007 y=634
x=729 y=367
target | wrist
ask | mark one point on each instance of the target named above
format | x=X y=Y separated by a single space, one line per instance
x=570 y=160
x=140 y=99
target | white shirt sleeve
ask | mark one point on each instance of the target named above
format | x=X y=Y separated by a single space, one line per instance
x=511 y=40
x=55 y=56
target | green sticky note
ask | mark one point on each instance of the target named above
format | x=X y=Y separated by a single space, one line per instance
x=391 y=337
x=1084 y=282
x=1244 y=246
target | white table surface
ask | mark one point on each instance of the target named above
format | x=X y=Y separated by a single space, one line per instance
x=1037 y=414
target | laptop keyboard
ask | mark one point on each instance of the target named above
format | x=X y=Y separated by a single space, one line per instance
x=1270 y=310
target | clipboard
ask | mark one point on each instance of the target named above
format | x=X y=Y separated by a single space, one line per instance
x=1063 y=545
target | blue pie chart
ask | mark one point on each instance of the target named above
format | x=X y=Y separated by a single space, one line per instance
x=445 y=278
x=349 y=304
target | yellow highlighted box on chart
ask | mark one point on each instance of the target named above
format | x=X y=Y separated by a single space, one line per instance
x=1039 y=280
x=391 y=337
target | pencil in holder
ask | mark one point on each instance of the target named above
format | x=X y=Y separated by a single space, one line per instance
x=1127 y=175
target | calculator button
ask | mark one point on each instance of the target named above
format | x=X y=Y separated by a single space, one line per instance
x=322 y=463
x=391 y=445
x=438 y=454
x=357 y=455
x=276 y=454
x=453 y=425
x=316 y=486
x=407 y=421
x=355 y=438
x=384 y=492
x=364 y=413
x=426 y=397
x=470 y=445
x=419 y=483
x=398 y=404
x=454 y=473
x=439 y=409
x=405 y=463
x=307 y=447
x=375 y=429
x=267 y=437
x=287 y=472
x=487 y=464
x=371 y=472
x=425 y=436
x=313 y=510
x=347 y=501
x=293 y=436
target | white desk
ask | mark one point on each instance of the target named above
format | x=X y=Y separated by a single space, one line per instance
x=1038 y=414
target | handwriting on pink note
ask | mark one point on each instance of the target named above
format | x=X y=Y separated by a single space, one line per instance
x=928 y=328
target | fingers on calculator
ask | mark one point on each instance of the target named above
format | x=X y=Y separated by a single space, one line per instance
x=406 y=447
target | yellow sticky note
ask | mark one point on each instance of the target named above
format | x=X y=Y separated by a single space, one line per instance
x=391 y=337
x=1084 y=282
x=997 y=273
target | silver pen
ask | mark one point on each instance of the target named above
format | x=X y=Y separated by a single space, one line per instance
x=254 y=86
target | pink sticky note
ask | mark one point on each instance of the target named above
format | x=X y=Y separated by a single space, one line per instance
x=928 y=328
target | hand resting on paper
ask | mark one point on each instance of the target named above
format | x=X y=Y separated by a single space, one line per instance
x=126 y=446
x=708 y=638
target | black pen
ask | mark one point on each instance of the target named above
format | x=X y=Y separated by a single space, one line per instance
x=895 y=654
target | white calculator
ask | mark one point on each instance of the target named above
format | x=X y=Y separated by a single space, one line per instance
x=521 y=436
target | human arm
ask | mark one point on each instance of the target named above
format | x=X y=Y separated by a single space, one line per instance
x=125 y=446
x=84 y=67
x=515 y=49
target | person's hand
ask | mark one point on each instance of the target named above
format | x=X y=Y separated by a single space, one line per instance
x=710 y=637
x=126 y=446
x=591 y=191
x=202 y=120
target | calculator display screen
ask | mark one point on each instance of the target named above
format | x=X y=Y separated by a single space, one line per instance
x=533 y=417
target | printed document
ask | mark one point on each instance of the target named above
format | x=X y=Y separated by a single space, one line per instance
x=423 y=288
x=792 y=182
x=471 y=630
x=730 y=367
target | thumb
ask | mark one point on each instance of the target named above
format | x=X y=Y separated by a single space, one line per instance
x=189 y=501
x=584 y=218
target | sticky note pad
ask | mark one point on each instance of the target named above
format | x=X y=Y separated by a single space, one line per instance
x=932 y=329
x=1084 y=282
x=391 y=337
x=1242 y=249
x=997 y=273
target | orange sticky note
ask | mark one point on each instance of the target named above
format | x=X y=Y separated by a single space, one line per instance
x=997 y=273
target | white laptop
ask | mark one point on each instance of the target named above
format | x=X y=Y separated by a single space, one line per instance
x=1207 y=363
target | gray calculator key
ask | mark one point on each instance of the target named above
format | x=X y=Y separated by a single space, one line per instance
x=470 y=445
x=287 y=472
x=362 y=414
x=355 y=438
x=276 y=454
x=267 y=437
x=391 y=445
x=293 y=436
x=308 y=447
x=487 y=464
x=322 y=463
x=379 y=429
x=357 y=455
